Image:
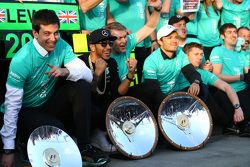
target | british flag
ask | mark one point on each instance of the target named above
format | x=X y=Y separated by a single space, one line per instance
x=67 y=16
x=2 y=15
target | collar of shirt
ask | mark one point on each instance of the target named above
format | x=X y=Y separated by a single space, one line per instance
x=165 y=56
x=39 y=48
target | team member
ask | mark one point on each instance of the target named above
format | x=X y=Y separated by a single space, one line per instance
x=106 y=85
x=180 y=22
x=31 y=99
x=208 y=17
x=231 y=67
x=162 y=68
x=244 y=33
x=128 y=13
x=194 y=53
x=126 y=43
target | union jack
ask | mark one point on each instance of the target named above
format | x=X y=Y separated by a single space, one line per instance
x=2 y=15
x=67 y=16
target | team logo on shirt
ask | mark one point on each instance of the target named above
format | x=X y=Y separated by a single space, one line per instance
x=15 y=77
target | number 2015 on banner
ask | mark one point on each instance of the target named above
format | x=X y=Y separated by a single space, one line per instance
x=14 y=41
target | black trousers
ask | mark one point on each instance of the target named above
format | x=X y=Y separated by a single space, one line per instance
x=141 y=53
x=218 y=115
x=68 y=109
x=226 y=105
x=150 y=95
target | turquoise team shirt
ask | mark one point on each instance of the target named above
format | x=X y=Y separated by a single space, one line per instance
x=94 y=18
x=164 y=18
x=207 y=27
x=207 y=78
x=121 y=58
x=27 y=70
x=247 y=56
x=233 y=63
x=189 y=40
x=131 y=15
x=175 y=6
x=164 y=70
x=192 y=26
x=237 y=14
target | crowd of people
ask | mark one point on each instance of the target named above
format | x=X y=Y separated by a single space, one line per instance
x=205 y=53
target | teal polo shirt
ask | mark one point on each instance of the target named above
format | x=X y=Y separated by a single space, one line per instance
x=166 y=71
x=94 y=18
x=122 y=57
x=233 y=63
x=247 y=56
x=132 y=15
x=237 y=14
x=207 y=26
x=27 y=71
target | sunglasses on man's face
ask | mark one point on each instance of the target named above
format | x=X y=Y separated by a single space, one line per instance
x=105 y=43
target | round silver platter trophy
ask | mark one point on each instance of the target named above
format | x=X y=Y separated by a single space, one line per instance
x=131 y=127
x=49 y=146
x=185 y=121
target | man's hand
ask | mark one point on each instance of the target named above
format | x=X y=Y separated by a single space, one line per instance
x=20 y=1
x=207 y=66
x=8 y=160
x=57 y=72
x=155 y=3
x=131 y=64
x=154 y=46
x=100 y=66
x=194 y=89
x=247 y=77
x=238 y=115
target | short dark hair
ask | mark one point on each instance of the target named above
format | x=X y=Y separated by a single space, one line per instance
x=115 y=26
x=226 y=26
x=246 y=28
x=191 y=45
x=44 y=17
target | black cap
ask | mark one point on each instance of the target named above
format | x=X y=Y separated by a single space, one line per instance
x=100 y=35
x=177 y=18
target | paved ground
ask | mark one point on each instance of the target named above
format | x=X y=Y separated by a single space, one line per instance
x=221 y=151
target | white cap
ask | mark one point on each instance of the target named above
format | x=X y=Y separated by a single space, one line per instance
x=165 y=31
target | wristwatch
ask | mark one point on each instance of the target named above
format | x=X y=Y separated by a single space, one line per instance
x=158 y=9
x=8 y=151
x=236 y=106
x=130 y=79
x=197 y=81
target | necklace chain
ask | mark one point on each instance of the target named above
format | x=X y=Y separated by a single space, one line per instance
x=105 y=79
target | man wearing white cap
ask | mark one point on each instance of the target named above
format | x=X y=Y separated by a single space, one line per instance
x=162 y=68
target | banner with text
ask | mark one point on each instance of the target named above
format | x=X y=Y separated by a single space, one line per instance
x=17 y=16
x=190 y=5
